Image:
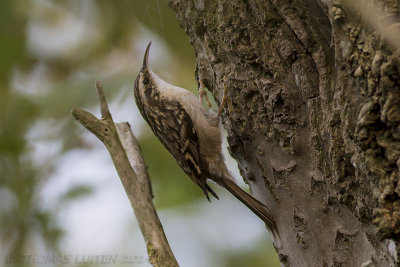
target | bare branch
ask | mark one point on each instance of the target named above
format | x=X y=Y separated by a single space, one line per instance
x=128 y=161
x=90 y=122
x=134 y=154
x=105 y=112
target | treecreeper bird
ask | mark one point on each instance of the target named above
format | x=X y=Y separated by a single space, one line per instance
x=191 y=134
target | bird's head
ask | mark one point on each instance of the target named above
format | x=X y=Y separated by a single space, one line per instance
x=143 y=79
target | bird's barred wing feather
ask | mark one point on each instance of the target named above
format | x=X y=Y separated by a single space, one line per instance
x=175 y=129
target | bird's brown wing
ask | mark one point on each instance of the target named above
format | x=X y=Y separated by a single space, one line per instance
x=175 y=129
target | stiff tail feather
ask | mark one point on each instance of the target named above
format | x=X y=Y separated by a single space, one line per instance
x=212 y=192
x=253 y=204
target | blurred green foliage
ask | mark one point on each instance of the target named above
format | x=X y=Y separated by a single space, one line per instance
x=39 y=87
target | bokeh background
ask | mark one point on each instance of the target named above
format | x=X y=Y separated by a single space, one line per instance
x=61 y=201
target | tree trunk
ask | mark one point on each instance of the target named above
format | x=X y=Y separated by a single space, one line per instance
x=312 y=119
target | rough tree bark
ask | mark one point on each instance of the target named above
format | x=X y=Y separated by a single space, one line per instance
x=312 y=119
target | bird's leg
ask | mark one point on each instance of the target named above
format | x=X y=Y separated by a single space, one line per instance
x=223 y=101
x=203 y=93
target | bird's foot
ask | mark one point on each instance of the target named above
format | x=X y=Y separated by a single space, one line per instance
x=202 y=94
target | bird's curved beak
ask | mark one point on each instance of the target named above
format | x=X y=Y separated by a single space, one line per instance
x=146 y=57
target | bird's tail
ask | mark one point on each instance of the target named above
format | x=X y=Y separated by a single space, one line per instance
x=253 y=204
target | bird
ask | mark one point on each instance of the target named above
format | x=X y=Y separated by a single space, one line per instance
x=191 y=134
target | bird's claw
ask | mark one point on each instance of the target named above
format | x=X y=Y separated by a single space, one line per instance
x=203 y=94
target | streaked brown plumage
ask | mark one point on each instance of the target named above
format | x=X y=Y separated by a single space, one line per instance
x=191 y=134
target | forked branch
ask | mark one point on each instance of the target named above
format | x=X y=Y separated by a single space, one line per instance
x=128 y=161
